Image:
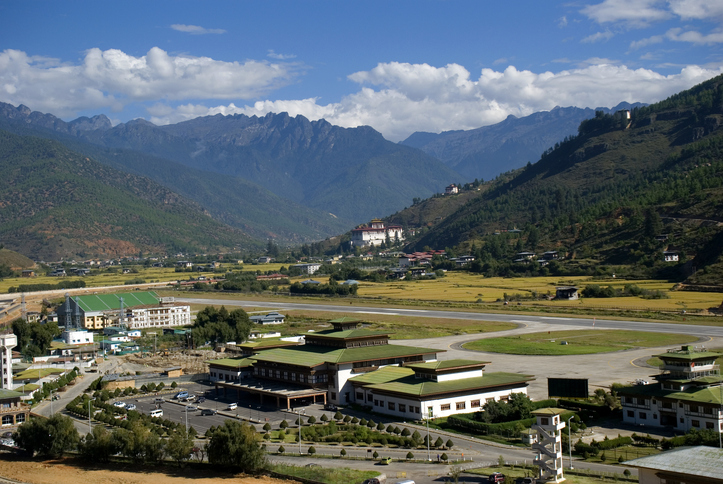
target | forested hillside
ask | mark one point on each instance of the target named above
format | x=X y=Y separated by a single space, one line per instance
x=618 y=193
x=57 y=203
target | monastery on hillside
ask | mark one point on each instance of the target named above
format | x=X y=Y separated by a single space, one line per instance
x=375 y=233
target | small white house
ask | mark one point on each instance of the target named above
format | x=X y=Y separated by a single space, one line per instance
x=77 y=337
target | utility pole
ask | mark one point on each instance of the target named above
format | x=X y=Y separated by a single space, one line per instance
x=429 y=456
x=90 y=424
x=186 y=419
x=51 y=403
x=569 y=440
x=299 y=414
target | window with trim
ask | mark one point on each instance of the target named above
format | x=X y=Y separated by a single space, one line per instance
x=360 y=396
x=461 y=405
x=402 y=407
x=333 y=396
x=643 y=416
x=390 y=405
x=445 y=406
x=695 y=423
x=709 y=425
x=631 y=414
x=474 y=404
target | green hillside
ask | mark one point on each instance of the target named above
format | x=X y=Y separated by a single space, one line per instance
x=14 y=260
x=617 y=194
x=57 y=203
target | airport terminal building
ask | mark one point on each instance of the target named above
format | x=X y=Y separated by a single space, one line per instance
x=348 y=364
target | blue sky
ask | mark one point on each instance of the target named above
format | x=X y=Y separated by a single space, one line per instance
x=398 y=66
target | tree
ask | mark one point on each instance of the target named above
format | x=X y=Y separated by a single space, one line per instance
x=139 y=443
x=500 y=461
x=338 y=416
x=281 y=449
x=375 y=455
x=98 y=445
x=234 y=445
x=324 y=418
x=380 y=426
x=311 y=450
x=174 y=385
x=439 y=442
x=455 y=473
x=48 y=437
x=410 y=456
x=449 y=444
x=416 y=436
x=311 y=420
x=179 y=447
x=406 y=432
x=283 y=424
x=445 y=457
x=342 y=452
x=267 y=426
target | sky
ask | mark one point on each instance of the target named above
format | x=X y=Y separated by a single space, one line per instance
x=398 y=66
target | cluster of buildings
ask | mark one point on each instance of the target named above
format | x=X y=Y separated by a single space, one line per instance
x=375 y=233
x=350 y=364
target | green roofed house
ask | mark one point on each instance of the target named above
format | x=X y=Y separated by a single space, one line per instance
x=137 y=310
x=686 y=396
x=349 y=364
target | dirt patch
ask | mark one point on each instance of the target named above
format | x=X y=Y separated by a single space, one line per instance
x=71 y=471
x=192 y=362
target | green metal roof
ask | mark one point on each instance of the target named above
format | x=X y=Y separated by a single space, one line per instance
x=346 y=319
x=411 y=386
x=700 y=461
x=549 y=411
x=232 y=362
x=383 y=375
x=310 y=355
x=4 y=393
x=108 y=302
x=688 y=355
x=447 y=364
x=709 y=394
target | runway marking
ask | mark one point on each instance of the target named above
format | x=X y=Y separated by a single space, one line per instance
x=379 y=312
x=632 y=362
x=550 y=317
x=523 y=321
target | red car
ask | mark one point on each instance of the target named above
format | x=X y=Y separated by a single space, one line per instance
x=496 y=478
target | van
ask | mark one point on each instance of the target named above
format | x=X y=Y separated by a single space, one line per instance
x=157 y=413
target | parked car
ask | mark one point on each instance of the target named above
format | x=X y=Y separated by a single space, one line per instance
x=527 y=480
x=191 y=408
x=130 y=406
x=330 y=406
x=496 y=477
x=208 y=411
x=159 y=400
x=232 y=406
x=201 y=399
x=119 y=404
x=190 y=397
x=181 y=395
x=386 y=461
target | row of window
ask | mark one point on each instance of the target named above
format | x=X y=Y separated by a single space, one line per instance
x=400 y=407
x=292 y=376
x=694 y=423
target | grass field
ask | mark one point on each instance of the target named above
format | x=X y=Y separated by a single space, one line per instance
x=328 y=475
x=37 y=374
x=579 y=342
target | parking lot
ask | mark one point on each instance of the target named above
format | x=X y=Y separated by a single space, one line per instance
x=247 y=408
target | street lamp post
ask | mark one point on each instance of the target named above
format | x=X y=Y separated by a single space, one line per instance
x=569 y=440
x=51 y=402
x=299 y=420
x=429 y=456
x=90 y=424
x=155 y=335
x=186 y=419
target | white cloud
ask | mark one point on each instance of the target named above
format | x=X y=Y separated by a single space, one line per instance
x=112 y=79
x=694 y=37
x=398 y=99
x=277 y=56
x=634 y=13
x=562 y=22
x=598 y=37
x=196 y=30
x=697 y=9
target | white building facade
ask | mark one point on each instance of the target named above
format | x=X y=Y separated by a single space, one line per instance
x=375 y=233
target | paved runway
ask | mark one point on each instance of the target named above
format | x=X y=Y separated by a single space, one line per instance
x=602 y=369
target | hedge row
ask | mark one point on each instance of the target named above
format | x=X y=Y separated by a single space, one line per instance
x=612 y=443
x=587 y=406
x=485 y=428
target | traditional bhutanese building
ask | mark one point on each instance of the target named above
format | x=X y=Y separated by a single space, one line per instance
x=349 y=364
x=687 y=395
x=375 y=233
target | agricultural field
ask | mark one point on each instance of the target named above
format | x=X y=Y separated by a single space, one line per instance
x=472 y=288
x=576 y=342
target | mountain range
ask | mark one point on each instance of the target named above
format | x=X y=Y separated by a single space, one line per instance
x=485 y=152
x=619 y=192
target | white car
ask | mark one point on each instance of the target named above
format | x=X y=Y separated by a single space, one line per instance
x=191 y=408
x=119 y=404
x=130 y=406
x=232 y=406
